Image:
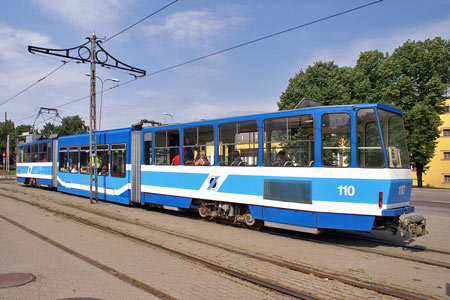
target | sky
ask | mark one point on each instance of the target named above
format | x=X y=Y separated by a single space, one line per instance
x=246 y=80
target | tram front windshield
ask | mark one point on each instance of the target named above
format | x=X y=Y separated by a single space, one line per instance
x=394 y=139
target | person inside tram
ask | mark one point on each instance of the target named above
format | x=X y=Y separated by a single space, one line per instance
x=188 y=152
x=176 y=160
x=282 y=159
x=236 y=158
x=84 y=169
x=74 y=169
x=202 y=160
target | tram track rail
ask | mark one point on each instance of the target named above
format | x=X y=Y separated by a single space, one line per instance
x=372 y=251
x=390 y=243
x=262 y=282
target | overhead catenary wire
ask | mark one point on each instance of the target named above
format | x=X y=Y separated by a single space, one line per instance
x=65 y=62
x=230 y=48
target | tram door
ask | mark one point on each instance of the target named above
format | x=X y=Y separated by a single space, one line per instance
x=54 y=163
x=136 y=167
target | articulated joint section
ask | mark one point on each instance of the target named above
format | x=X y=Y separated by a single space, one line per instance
x=414 y=225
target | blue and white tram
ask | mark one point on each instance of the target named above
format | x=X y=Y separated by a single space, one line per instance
x=35 y=162
x=309 y=169
x=332 y=167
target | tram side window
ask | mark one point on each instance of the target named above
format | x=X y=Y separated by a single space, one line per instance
x=148 y=143
x=289 y=141
x=19 y=157
x=103 y=160
x=27 y=154
x=49 y=151
x=394 y=139
x=336 y=140
x=34 y=153
x=63 y=165
x=43 y=152
x=238 y=144
x=198 y=146
x=167 y=147
x=84 y=159
x=369 y=152
x=73 y=159
x=118 y=160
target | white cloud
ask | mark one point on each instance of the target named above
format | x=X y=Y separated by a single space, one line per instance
x=15 y=42
x=348 y=55
x=88 y=15
x=195 y=28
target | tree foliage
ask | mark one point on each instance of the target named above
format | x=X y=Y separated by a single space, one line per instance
x=71 y=125
x=415 y=78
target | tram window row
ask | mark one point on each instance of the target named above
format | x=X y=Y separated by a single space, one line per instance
x=36 y=152
x=74 y=159
x=286 y=142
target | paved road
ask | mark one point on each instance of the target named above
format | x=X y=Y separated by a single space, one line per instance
x=436 y=198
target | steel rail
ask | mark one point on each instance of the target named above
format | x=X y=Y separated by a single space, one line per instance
x=130 y=280
x=292 y=266
x=415 y=248
x=253 y=279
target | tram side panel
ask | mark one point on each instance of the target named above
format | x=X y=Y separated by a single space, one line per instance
x=113 y=166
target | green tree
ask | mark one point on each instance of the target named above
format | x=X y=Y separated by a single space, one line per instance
x=324 y=81
x=48 y=130
x=415 y=78
x=71 y=125
x=420 y=80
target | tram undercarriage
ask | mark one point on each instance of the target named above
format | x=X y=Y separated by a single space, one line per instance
x=229 y=212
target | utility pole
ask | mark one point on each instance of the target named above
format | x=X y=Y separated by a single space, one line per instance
x=6 y=140
x=93 y=170
x=84 y=54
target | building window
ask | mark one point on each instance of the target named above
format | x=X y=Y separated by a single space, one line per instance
x=446 y=178
x=446 y=132
x=446 y=155
x=447 y=109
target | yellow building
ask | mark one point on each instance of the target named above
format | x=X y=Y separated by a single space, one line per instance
x=438 y=170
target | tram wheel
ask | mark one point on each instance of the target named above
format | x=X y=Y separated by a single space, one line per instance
x=253 y=223
x=257 y=225
x=203 y=211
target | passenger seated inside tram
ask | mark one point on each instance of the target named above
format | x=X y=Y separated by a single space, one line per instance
x=84 y=169
x=104 y=170
x=237 y=160
x=74 y=169
x=176 y=160
x=282 y=159
x=64 y=167
x=202 y=160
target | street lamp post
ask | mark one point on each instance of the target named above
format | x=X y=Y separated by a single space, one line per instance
x=101 y=95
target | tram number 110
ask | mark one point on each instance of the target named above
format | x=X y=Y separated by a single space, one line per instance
x=346 y=190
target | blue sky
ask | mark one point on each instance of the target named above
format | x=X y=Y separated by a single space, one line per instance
x=243 y=81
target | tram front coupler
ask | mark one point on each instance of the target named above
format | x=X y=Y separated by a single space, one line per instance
x=414 y=225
